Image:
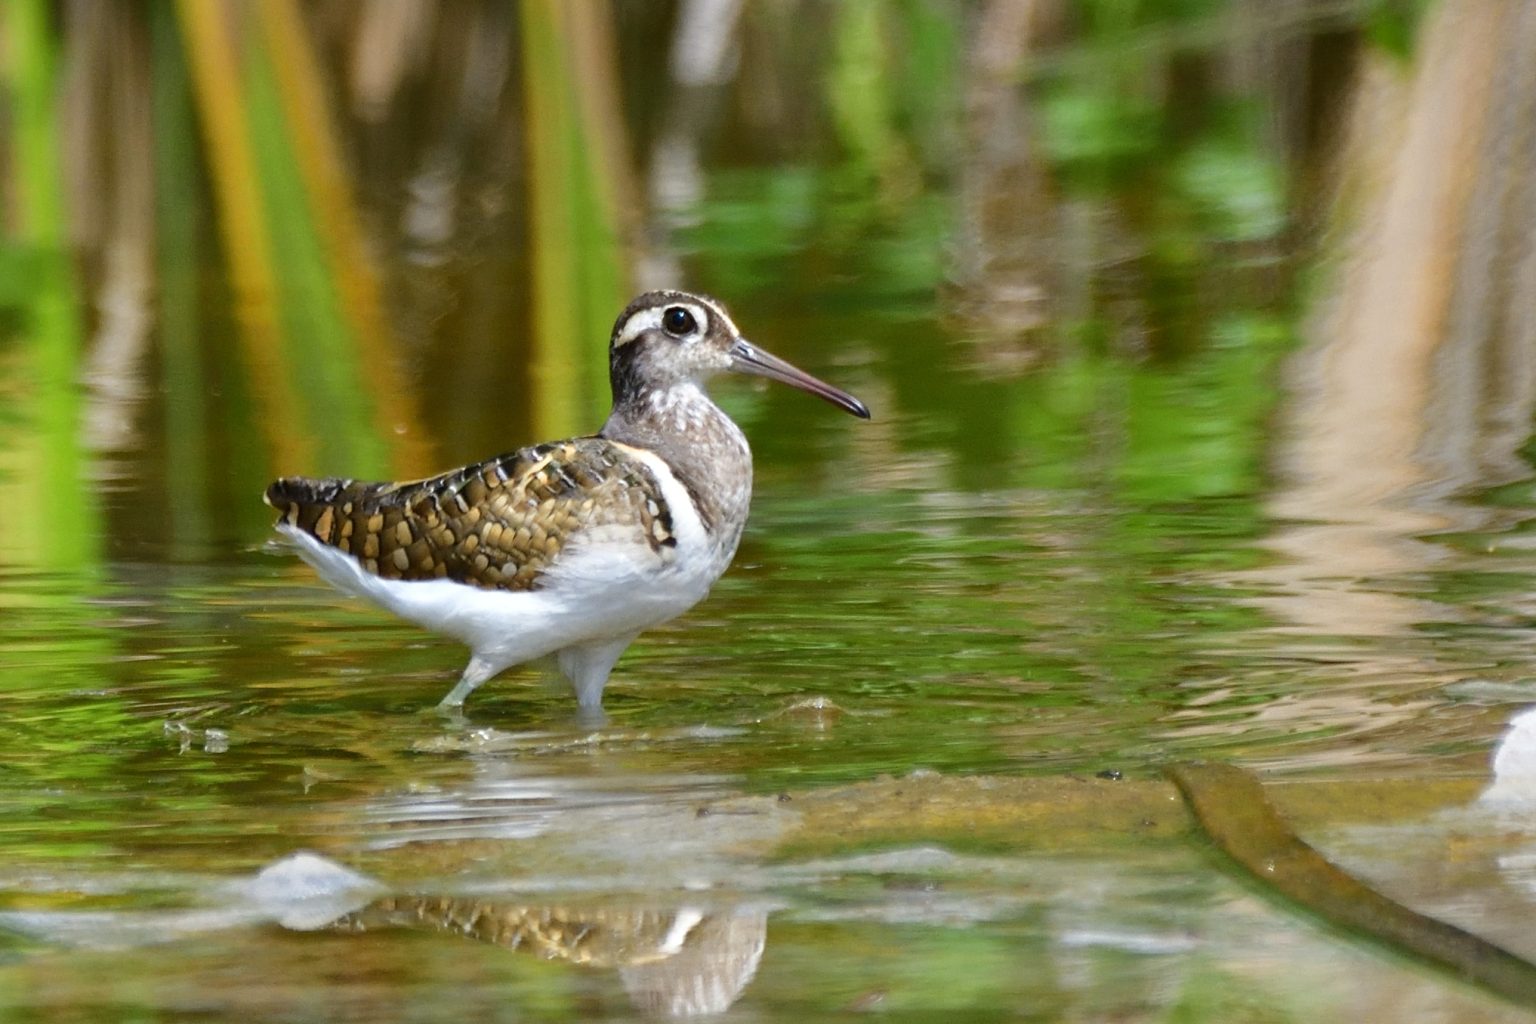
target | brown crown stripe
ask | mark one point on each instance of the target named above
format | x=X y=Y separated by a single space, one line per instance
x=497 y=524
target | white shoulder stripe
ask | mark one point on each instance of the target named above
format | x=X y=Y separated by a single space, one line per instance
x=687 y=526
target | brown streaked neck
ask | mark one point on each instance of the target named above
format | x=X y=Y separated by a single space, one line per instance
x=700 y=443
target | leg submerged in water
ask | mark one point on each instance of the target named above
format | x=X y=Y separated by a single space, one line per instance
x=587 y=666
x=475 y=673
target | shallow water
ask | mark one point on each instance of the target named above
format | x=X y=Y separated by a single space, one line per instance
x=1167 y=462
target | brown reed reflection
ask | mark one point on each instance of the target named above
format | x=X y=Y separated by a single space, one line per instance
x=1418 y=380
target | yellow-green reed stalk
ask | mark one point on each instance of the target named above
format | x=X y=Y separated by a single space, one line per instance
x=55 y=518
x=349 y=258
x=334 y=403
x=207 y=30
x=177 y=266
x=575 y=162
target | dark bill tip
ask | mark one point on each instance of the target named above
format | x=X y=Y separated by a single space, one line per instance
x=749 y=359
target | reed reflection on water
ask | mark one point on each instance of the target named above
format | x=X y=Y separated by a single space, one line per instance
x=1199 y=338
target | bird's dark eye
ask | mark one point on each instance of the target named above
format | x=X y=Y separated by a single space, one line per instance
x=678 y=322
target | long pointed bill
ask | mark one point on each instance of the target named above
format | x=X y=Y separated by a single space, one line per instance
x=749 y=359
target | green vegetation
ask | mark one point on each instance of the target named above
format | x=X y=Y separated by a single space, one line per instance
x=42 y=467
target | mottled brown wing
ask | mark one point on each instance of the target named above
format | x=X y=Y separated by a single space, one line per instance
x=497 y=524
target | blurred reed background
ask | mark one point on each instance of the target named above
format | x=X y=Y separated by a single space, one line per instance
x=1060 y=244
x=1200 y=337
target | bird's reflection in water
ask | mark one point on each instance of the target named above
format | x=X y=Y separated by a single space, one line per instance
x=673 y=962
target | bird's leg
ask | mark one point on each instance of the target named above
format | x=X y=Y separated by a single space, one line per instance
x=475 y=673
x=587 y=667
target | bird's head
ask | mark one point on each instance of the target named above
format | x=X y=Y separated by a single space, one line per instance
x=666 y=338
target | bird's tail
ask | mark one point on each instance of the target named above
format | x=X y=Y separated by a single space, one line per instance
x=331 y=510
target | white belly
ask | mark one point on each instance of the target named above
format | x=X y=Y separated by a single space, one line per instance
x=603 y=587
